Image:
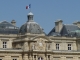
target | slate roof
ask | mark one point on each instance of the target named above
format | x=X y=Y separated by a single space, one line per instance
x=8 y=28
x=31 y=26
x=67 y=30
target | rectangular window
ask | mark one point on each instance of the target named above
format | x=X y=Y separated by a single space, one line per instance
x=57 y=46
x=4 y=44
x=69 y=46
x=34 y=56
x=48 y=57
x=14 y=59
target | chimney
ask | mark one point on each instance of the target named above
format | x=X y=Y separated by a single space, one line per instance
x=58 y=25
x=77 y=23
x=13 y=22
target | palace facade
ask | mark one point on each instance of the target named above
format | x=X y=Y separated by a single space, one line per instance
x=29 y=42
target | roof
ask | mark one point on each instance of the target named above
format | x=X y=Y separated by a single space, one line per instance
x=8 y=28
x=31 y=26
x=67 y=30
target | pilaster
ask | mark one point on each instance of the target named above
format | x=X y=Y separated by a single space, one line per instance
x=75 y=58
x=7 y=58
x=30 y=57
x=44 y=58
x=25 y=57
x=20 y=57
x=36 y=57
x=63 y=58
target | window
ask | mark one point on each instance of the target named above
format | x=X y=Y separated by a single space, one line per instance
x=40 y=58
x=69 y=46
x=5 y=44
x=0 y=59
x=14 y=59
x=34 y=57
x=57 y=46
x=48 y=57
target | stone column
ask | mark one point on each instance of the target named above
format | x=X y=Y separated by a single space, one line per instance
x=25 y=47
x=36 y=57
x=25 y=57
x=33 y=57
x=30 y=57
x=51 y=57
x=46 y=57
x=20 y=57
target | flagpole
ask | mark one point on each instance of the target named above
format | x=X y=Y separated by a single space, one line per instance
x=30 y=7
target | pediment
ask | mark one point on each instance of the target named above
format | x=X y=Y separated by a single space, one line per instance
x=41 y=42
x=43 y=38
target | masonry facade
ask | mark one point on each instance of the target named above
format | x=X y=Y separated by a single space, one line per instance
x=29 y=42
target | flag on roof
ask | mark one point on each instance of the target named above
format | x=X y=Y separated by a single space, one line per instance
x=29 y=6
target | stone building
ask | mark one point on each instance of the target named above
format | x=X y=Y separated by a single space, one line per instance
x=29 y=42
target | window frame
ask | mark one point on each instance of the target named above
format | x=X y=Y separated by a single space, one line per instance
x=4 y=44
x=14 y=59
x=69 y=46
x=0 y=59
x=57 y=46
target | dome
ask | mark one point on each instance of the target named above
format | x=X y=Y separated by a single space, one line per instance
x=30 y=26
x=30 y=13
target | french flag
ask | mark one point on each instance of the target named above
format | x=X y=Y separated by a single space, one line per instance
x=28 y=7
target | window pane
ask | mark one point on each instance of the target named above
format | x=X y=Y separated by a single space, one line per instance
x=14 y=59
x=0 y=59
x=3 y=46
x=5 y=42
x=57 y=46
x=69 y=46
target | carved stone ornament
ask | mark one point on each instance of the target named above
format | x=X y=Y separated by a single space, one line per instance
x=40 y=44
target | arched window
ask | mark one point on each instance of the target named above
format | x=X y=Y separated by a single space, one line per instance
x=40 y=58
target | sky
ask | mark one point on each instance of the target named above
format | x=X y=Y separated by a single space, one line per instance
x=46 y=12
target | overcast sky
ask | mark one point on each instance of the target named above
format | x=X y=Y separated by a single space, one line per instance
x=46 y=12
